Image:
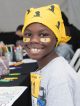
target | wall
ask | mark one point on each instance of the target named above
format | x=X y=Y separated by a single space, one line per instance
x=12 y=11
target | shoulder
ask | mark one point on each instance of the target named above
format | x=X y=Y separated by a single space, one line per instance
x=60 y=71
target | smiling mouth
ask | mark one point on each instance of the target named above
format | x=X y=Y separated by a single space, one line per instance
x=35 y=50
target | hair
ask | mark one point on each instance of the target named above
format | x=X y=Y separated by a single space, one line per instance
x=19 y=27
x=65 y=19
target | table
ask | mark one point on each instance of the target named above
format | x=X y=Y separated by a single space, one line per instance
x=23 y=80
x=24 y=70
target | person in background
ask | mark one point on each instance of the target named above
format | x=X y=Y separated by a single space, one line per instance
x=54 y=83
x=74 y=32
x=65 y=49
x=19 y=34
x=19 y=31
x=20 y=42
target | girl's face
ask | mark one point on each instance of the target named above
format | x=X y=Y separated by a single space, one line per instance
x=39 y=41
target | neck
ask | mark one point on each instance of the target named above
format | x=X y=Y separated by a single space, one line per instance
x=45 y=60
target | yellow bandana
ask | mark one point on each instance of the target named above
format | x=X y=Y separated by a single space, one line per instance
x=49 y=16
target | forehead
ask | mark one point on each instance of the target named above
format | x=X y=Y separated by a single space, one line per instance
x=38 y=27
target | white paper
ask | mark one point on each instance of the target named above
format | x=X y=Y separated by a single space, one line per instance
x=23 y=61
x=28 y=61
x=8 y=95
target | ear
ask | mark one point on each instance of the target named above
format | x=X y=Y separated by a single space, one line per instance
x=56 y=43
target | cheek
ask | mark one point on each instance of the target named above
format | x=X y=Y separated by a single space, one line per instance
x=25 y=40
x=45 y=40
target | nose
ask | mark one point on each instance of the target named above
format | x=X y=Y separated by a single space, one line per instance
x=35 y=38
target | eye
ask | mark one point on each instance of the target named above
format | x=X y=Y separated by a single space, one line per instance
x=43 y=34
x=28 y=34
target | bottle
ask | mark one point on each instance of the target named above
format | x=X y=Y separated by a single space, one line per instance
x=18 y=53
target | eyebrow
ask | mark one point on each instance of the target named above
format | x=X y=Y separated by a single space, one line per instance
x=27 y=29
x=39 y=30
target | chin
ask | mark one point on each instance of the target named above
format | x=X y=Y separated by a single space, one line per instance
x=35 y=57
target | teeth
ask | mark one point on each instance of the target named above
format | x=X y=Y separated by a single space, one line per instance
x=35 y=50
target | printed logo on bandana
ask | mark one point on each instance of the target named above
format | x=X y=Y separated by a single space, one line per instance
x=51 y=8
x=37 y=14
x=28 y=11
x=58 y=24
